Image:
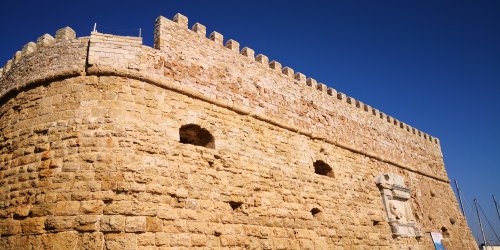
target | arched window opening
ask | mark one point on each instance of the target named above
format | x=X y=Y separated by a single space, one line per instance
x=195 y=135
x=321 y=168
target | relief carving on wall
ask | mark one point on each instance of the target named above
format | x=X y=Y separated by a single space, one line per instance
x=396 y=198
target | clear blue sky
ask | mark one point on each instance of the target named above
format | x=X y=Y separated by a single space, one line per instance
x=432 y=64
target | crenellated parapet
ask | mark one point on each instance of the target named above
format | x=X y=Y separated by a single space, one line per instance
x=221 y=72
x=48 y=58
x=288 y=72
x=287 y=95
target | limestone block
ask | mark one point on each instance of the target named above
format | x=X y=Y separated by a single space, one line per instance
x=275 y=65
x=199 y=240
x=56 y=163
x=119 y=207
x=162 y=239
x=154 y=224
x=34 y=225
x=311 y=82
x=65 y=33
x=45 y=40
x=321 y=87
x=331 y=91
x=63 y=240
x=306 y=244
x=262 y=59
x=22 y=211
x=7 y=66
x=120 y=241
x=135 y=224
x=233 y=45
x=17 y=57
x=180 y=240
x=88 y=223
x=11 y=227
x=230 y=240
x=181 y=20
x=60 y=222
x=357 y=103
x=29 y=48
x=146 y=240
x=217 y=37
x=91 y=240
x=287 y=71
x=300 y=77
x=248 y=52
x=92 y=207
x=67 y=208
x=112 y=223
x=167 y=213
x=181 y=193
x=199 y=29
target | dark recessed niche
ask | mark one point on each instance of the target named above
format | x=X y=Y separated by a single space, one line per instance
x=321 y=168
x=445 y=232
x=315 y=212
x=195 y=135
x=453 y=221
x=235 y=204
x=20 y=217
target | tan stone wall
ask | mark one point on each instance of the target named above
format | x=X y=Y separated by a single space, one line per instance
x=94 y=161
x=100 y=163
x=222 y=73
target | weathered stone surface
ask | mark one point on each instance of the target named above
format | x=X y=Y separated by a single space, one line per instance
x=162 y=239
x=65 y=33
x=120 y=241
x=113 y=223
x=92 y=207
x=60 y=223
x=63 y=240
x=92 y=155
x=67 y=208
x=33 y=225
x=91 y=241
x=154 y=224
x=135 y=224
x=88 y=223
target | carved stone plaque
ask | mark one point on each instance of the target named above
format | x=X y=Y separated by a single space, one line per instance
x=396 y=196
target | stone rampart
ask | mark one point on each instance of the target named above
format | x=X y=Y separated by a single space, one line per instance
x=93 y=153
x=260 y=88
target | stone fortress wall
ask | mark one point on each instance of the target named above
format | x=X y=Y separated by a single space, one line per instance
x=90 y=154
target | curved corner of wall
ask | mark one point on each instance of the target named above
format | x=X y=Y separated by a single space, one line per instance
x=46 y=60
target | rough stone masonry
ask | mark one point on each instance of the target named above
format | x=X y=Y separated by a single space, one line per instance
x=109 y=144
